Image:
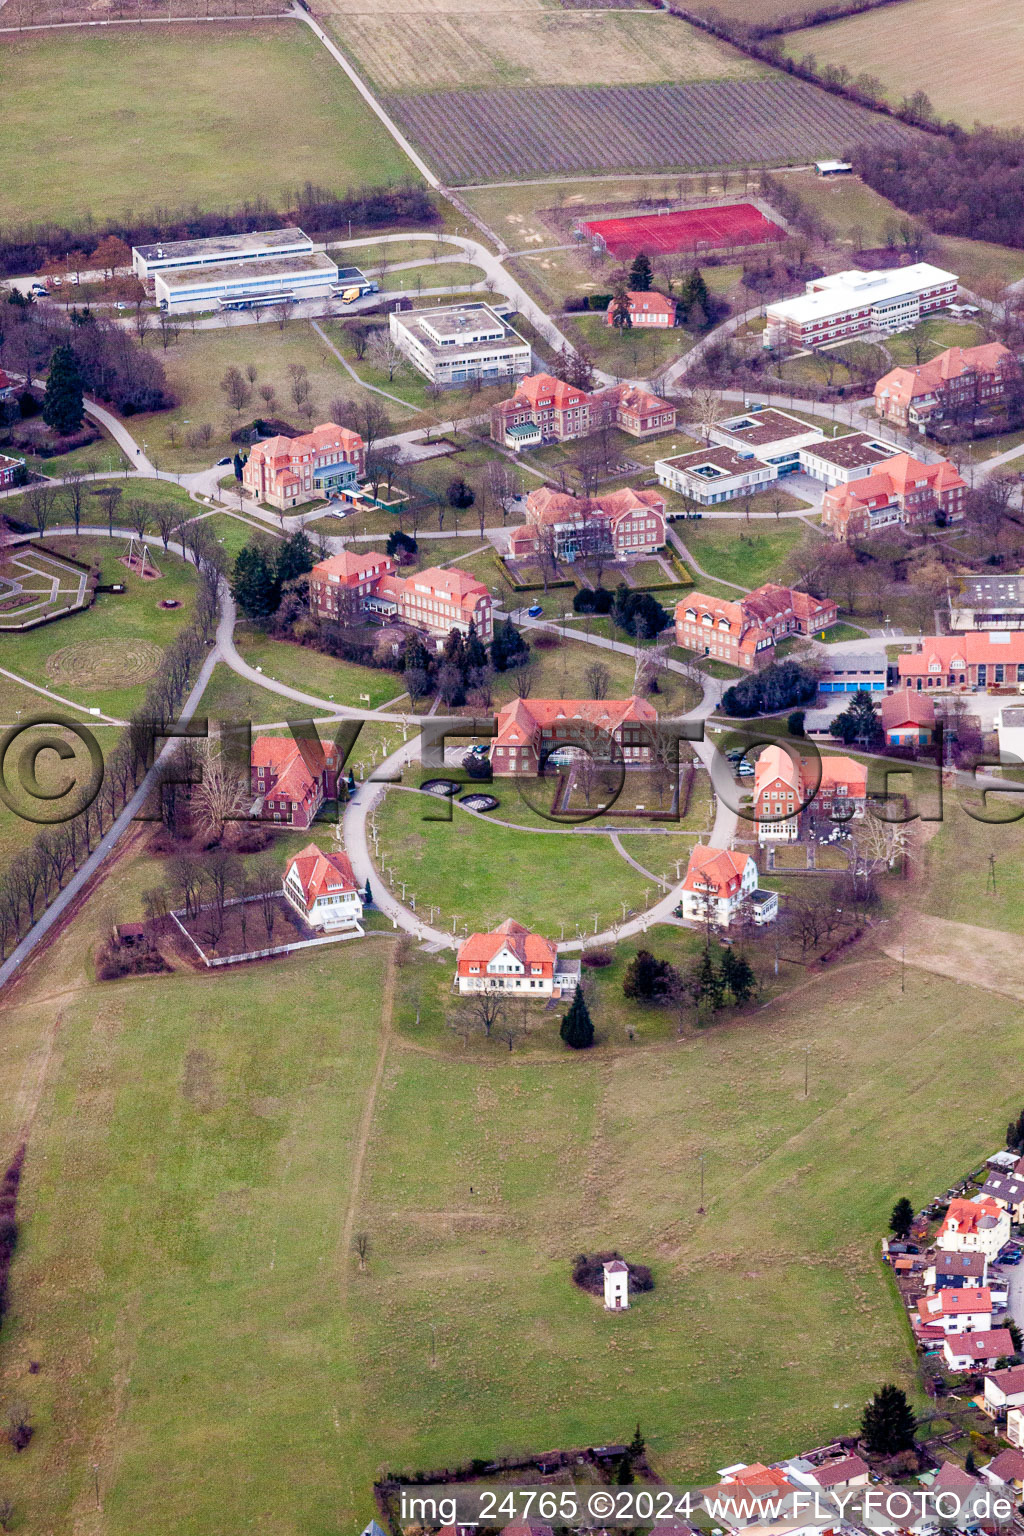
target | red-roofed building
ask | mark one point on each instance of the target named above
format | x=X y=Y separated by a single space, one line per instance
x=511 y=959
x=788 y=611
x=903 y=493
x=908 y=718
x=546 y=409
x=978 y=659
x=620 y=523
x=287 y=471
x=719 y=883
x=529 y=729
x=350 y=587
x=958 y=384
x=719 y=627
x=957 y=1311
x=968 y=1351
x=848 y=1472
x=7 y=389
x=1004 y=1390
x=781 y=789
x=322 y=889
x=10 y=471
x=646 y=309
x=291 y=784
x=974 y=1226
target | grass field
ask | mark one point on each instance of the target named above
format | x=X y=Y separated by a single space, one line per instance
x=967 y=55
x=197 y=362
x=538 y=47
x=746 y=554
x=484 y=872
x=632 y=353
x=224 y=97
x=175 y=1194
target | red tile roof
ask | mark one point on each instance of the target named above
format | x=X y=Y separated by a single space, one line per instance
x=719 y=869
x=970 y=1215
x=520 y=721
x=321 y=874
x=833 y=1473
x=529 y=948
x=351 y=567
x=907 y=707
x=985 y=1344
x=904 y=384
x=954 y=653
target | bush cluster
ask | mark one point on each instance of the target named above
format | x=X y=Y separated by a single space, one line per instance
x=588 y=1272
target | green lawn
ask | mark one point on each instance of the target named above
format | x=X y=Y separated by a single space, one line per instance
x=638 y=352
x=746 y=553
x=958 y=868
x=92 y=114
x=456 y=275
x=114 y=624
x=340 y=682
x=484 y=872
x=841 y=631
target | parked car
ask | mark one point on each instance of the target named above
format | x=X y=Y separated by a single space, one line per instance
x=223 y=461
x=536 y=612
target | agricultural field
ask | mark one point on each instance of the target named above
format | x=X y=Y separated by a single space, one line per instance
x=542 y=47
x=474 y=136
x=966 y=55
x=124 y=96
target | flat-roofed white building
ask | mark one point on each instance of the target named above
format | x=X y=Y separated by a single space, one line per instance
x=710 y=475
x=217 y=250
x=838 y=460
x=775 y=437
x=454 y=345
x=244 y=283
x=846 y=304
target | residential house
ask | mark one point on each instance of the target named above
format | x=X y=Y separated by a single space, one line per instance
x=841 y=1475
x=350 y=588
x=904 y=493
x=1005 y=1472
x=956 y=1271
x=1007 y=1190
x=986 y=659
x=646 y=309
x=972 y=1351
x=1010 y=734
x=739 y=1496
x=1004 y=1390
x=291 y=783
x=545 y=409
x=8 y=390
x=974 y=1226
x=719 y=884
x=782 y=790
x=908 y=719
x=724 y=629
x=957 y=1311
x=287 y=471
x=322 y=889
x=531 y=730
x=1015 y=1427
x=961 y=1485
x=960 y=383
x=11 y=471
x=565 y=527
x=512 y=959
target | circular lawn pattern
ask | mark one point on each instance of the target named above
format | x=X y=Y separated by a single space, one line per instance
x=477 y=802
x=104 y=663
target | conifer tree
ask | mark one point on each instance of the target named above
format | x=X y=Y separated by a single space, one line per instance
x=902 y=1218
x=641 y=273
x=367 y=894
x=888 y=1422
x=577 y=1029
x=62 y=403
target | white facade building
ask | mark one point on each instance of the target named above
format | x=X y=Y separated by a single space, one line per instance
x=322 y=889
x=253 y=245
x=308 y=276
x=455 y=345
x=710 y=475
x=846 y=304
x=616 y=1286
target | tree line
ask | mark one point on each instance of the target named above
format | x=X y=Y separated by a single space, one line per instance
x=111 y=363
x=969 y=184
x=28 y=247
x=40 y=871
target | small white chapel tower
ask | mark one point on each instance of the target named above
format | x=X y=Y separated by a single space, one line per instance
x=616 y=1286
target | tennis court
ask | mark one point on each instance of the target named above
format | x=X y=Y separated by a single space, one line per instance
x=695 y=228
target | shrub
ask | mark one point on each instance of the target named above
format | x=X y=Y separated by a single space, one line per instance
x=588 y=1272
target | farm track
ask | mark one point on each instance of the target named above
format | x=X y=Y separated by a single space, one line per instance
x=487 y=136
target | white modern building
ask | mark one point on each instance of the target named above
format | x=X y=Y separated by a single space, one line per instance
x=454 y=345
x=710 y=475
x=846 y=304
x=219 y=250
x=246 y=283
x=838 y=460
x=775 y=437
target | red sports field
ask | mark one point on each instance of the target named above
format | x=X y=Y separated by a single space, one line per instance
x=734 y=224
